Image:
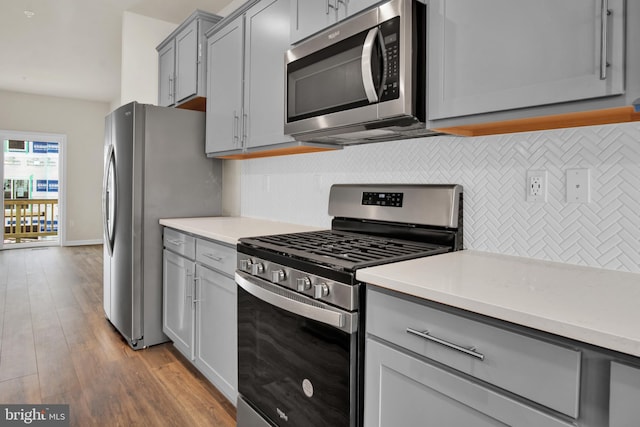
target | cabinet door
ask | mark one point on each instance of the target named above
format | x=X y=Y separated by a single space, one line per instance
x=177 y=293
x=309 y=17
x=187 y=62
x=625 y=389
x=355 y=6
x=224 y=88
x=166 y=72
x=401 y=387
x=266 y=41
x=498 y=55
x=216 y=325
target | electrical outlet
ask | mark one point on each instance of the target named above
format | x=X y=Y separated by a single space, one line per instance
x=536 y=186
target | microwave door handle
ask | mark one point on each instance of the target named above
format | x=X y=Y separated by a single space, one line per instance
x=367 y=75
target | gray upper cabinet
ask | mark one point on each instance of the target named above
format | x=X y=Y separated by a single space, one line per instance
x=499 y=55
x=310 y=17
x=166 y=73
x=182 y=63
x=245 y=103
x=224 y=88
x=265 y=46
x=187 y=59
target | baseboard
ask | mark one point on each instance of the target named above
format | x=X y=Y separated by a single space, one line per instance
x=82 y=242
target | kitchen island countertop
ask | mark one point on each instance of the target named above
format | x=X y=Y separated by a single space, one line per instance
x=592 y=305
x=230 y=229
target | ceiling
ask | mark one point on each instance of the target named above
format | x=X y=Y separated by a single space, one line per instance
x=72 y=48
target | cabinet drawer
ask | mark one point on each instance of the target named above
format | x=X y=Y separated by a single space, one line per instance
x=399 y=386
x=217 y=256
x=180 y=243
x=543 y=372
x=623 y=400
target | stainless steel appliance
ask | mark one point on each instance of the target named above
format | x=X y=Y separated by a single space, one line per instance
x=301 y=309
x=155 y=167
x=361 y=80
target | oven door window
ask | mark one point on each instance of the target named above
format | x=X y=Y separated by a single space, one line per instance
x=293 y=370
x=332 y=79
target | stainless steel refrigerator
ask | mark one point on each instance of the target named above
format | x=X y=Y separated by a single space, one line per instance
x=155 y=167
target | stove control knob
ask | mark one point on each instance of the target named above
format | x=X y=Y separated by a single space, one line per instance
x=277 y=276
x=303 y=283
x=321 y=290
x=257 y=268
x=245 y=265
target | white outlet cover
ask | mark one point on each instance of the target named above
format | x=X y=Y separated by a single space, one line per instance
x=578 y=186
x=536 y=186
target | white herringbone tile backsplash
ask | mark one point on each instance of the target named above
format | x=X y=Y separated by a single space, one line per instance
x=497 y=218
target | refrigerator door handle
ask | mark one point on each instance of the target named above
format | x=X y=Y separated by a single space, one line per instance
x=109 y=192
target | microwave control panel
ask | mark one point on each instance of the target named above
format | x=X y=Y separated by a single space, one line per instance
x=391 y=36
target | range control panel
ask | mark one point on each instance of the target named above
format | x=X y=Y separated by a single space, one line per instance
x=382 y=199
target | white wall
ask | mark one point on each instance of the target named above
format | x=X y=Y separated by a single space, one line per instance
x=139 y=79
x=83 y=123
x=227 y=10
x=497 y=217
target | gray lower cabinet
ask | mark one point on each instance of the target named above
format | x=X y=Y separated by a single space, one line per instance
x=199 y=306
x=178 y=287
x=493 y=56
x=433 y=367
x=216 y=330
x=400 y=386
x=624 y=410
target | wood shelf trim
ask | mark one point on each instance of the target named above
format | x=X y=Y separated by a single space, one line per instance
x=560 y=121
x=277 y=152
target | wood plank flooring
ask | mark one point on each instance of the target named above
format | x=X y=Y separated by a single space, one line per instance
x=57 y=347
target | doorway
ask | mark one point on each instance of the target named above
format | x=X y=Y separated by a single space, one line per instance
x=32 y=170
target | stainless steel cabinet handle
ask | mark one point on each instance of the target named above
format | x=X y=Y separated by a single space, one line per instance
x=466 y=350
x=212 y=256
x=176 y=242
x=245 y=119
x=196 y=282
x=188 y=284
x=604 y=19
x=236 y=121
x=331 y=6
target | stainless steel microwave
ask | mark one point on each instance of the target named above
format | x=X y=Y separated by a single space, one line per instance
x=362 y=80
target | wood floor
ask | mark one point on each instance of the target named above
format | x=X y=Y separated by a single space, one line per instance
x=57 y=347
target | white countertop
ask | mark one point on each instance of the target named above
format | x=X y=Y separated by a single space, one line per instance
x=230 y=229
x=596 y=306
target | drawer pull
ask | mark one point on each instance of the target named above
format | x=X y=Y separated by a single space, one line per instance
x=212 y=256
x=176 y=242
x=425 y=334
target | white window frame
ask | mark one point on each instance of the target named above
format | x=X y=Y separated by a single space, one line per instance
x=61 y=139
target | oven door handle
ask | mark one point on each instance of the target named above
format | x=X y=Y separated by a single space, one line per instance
x=301 y=305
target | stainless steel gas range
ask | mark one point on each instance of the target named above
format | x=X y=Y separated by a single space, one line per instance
x=301 y=309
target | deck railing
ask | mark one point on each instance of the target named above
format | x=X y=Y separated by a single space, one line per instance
x=30 y=218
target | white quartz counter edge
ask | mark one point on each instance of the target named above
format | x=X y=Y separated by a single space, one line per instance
x=230 y=229
x=596 y=306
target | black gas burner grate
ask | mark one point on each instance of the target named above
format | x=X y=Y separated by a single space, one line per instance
x=343 y=249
